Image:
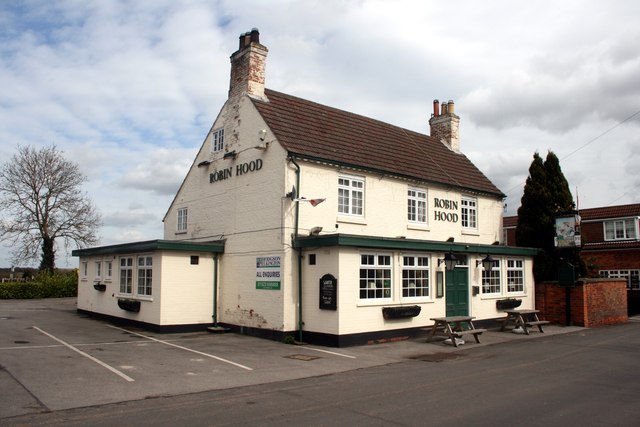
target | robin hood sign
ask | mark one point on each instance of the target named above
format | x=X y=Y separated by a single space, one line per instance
x=238 y=170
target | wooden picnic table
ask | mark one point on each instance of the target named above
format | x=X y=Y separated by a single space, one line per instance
x=523 y=318
x=454 y=327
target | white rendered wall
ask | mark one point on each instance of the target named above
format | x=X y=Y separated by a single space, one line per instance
x=249 y=210
x=186 y=295
x=484 y=306
x=385 y=210
x=107 y=302
x=354 y=315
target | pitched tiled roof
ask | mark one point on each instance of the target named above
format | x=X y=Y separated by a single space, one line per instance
x=609 y=212
x=313 y=131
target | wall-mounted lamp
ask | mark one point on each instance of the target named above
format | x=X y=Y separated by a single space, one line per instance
x=230 y=155
x=450 y=261
x=262 y=134
x=487 y=263
x=204 y=163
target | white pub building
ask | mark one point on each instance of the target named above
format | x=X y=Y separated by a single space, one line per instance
x=298 y=219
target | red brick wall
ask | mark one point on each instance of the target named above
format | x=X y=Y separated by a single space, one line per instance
x=594 y=302
x=612 y=259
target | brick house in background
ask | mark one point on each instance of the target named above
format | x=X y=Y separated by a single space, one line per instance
x=610 y=245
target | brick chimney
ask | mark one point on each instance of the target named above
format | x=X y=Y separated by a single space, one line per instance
x=445 y=125
x=247 y=66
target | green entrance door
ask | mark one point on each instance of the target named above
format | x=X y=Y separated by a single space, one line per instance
x=457 y=292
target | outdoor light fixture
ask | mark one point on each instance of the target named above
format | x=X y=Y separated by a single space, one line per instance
x=230 y=155
x=450 y=261
x=487 y=263
x=204 y=163
x=315 y=231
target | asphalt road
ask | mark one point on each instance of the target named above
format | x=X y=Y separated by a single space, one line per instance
x=586 y=378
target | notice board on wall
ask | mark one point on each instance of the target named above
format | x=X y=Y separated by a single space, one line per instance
x=328 y=292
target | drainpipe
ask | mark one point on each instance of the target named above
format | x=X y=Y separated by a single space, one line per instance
x=295 y=235
x=215 y=290
x=215 y=328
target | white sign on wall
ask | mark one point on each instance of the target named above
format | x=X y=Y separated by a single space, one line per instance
x=268 y=272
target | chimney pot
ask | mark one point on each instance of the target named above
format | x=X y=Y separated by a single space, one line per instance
x=255 y=35
x=451 y=107
x=444 y=109
x=436 y=108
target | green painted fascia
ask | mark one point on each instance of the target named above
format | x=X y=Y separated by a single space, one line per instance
x=409 y=244
x=151 y=246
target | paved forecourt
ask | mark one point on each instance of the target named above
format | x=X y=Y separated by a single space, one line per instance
x=52 y=358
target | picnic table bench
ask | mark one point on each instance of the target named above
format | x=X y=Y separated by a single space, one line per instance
x=454 y=327
x=523 y=318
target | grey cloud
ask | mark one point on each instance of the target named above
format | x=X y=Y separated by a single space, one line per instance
x=129 y=218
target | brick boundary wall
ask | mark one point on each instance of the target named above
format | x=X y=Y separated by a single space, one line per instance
x=594 y=302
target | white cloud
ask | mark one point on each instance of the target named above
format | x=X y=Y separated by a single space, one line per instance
x=159 y=170
x=129 y=89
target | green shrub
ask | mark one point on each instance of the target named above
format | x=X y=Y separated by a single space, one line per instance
x=44 y=285
x=288 y=339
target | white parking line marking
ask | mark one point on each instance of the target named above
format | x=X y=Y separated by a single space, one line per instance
x=330 y=352
x=184 y=348
x=28 y=347
x=99 y=362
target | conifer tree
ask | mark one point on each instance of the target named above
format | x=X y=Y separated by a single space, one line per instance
x=546 y=193
x=557 y=185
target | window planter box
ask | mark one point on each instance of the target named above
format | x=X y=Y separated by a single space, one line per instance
x=506 y=304
x=129 y=305
x=100 y=287
x=400 y=312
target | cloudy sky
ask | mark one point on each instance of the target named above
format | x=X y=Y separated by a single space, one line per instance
x=129 y=89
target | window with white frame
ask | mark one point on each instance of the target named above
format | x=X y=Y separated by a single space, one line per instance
x=469 y=212
x=217 y=140
x=375 y=276
x=515 y=275
x=126 y=275
x=491 y=279
x=417 y=205
x=415 y=276
x=182 y=220
x=350 y=195
x=84 y=269
x=632 y=276
x=145 y=274
x=621 y=229
x=108 y=270
x=98 y=270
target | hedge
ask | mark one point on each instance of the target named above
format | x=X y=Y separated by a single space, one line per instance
x=55 y=285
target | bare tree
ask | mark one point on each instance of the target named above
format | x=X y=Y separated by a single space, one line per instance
x=41 y=201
